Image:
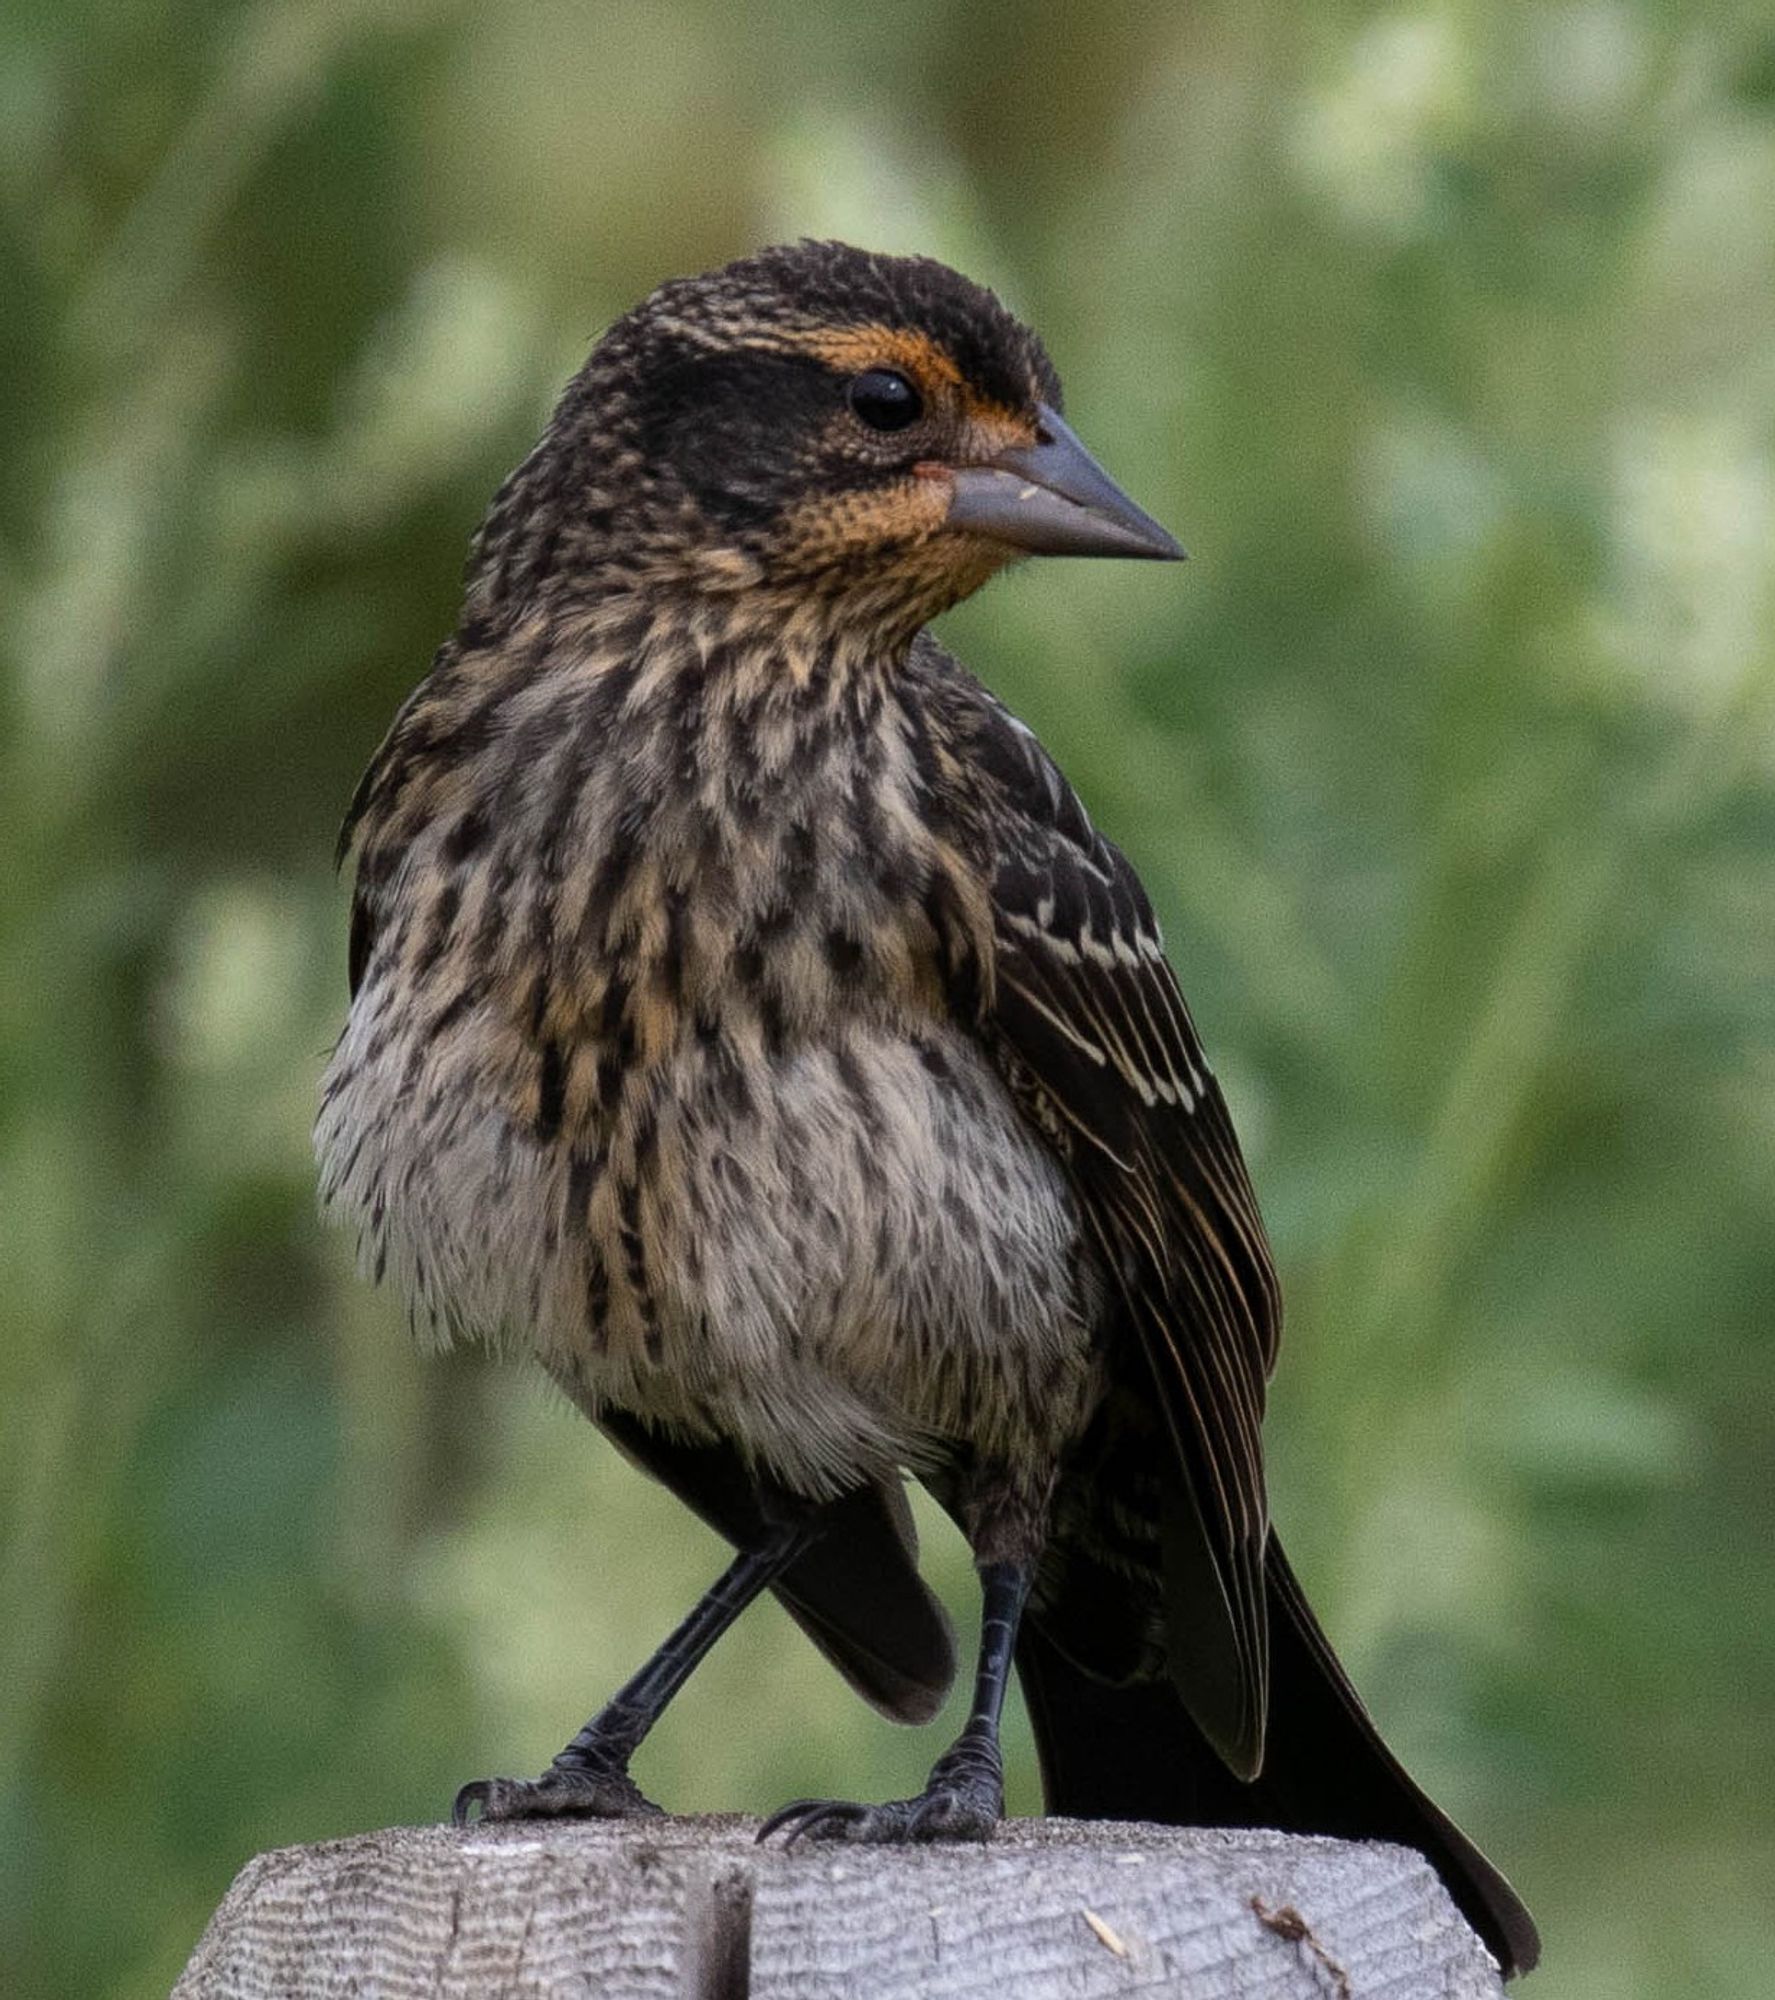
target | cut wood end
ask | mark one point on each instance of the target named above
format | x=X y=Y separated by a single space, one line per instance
x=695 y=1909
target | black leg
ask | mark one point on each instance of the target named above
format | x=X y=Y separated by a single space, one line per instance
x=964 y=1798
x=591 y=1775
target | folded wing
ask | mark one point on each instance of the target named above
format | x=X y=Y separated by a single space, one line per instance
x=1091 y=1032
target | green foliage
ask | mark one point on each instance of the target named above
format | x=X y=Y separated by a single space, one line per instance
x=1442 y=337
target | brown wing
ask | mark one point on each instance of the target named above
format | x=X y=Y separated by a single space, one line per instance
x=1097 y=1044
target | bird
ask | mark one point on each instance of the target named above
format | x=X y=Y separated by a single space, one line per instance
x=750 y=1024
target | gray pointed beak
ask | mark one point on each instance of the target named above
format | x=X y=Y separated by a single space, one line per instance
x=1053 y=499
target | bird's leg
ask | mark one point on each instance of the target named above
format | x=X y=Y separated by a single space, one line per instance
x=591 y=1775
x=964 y=1797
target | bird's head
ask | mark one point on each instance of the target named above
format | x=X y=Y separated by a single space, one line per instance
x=875 y=435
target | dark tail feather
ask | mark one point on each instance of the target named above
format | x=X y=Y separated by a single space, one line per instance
x=1132 y=1752
x=856 y=1592
x=858 y=1596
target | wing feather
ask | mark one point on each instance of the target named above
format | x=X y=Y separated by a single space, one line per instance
x=1096 y=1041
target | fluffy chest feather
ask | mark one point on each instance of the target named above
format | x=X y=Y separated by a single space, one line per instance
x=656 y=1075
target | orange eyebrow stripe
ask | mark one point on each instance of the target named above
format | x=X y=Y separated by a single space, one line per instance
x=851 y=349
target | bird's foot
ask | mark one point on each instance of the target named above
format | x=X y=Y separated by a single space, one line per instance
x=591 y=1791
x=964 y=1800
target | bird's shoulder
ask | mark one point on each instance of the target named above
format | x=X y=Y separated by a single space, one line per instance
x=1074 y=928
x=994 y=766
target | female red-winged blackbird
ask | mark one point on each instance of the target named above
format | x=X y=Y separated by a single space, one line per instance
x=747 y=1017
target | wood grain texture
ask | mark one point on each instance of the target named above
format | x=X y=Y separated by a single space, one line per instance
x=691 y=1909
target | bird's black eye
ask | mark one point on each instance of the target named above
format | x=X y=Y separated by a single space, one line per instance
x=885 y=401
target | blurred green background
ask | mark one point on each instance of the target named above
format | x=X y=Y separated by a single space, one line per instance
x=1445 y=338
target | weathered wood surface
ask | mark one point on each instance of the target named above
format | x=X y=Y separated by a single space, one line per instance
x=691 y=1909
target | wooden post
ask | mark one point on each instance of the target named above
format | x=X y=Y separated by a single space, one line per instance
x=692 y=1909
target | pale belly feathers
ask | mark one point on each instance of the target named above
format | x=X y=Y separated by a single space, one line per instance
x=845 y=1257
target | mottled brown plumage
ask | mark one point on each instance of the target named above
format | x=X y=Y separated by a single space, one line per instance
x=748 y=1020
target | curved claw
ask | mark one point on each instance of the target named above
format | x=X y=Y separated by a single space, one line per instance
x=475 y=1793
x=801 y=1815
x=812 y=1815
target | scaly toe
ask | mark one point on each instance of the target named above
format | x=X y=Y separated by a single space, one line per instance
x=952 y=1815
x=934 y=1815
x=559 y=1792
